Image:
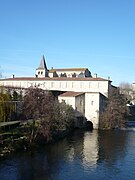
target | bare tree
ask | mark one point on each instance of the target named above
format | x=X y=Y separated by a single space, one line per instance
x=125 y=86
x=115 y=113
x=38 y=106
x=126 y=89
x=48 y=116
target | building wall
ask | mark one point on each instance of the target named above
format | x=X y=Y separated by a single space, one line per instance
x=90 y=105
x=61 y=85
x=92 y=108
x=68 y=100
x=102 y=104
x=80 y=103
x=40 y=73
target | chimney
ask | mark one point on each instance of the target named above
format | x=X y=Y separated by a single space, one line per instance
x=13 y=76
x=95 y=75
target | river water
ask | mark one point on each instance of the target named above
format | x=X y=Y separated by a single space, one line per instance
x=83 y=155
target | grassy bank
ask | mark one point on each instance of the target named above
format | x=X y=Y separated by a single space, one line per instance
x=18 y=138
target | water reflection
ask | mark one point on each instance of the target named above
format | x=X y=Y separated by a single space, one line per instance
x=78 y=156
x=112 y=146
x=90 y=149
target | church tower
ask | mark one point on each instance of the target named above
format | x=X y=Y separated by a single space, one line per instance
x=42 y=70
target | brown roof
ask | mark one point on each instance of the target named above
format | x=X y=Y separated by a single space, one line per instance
x=69 y=69
x=71 y=94
x=54 y=79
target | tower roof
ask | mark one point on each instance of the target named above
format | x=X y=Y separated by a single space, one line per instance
x=42 y=63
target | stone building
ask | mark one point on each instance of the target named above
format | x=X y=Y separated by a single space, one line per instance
x=85 y=93
x=42 y=71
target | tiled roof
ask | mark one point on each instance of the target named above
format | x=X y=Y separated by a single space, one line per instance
x=70 y=94
x=70 y=69
x=73 y=94
x=54 y=79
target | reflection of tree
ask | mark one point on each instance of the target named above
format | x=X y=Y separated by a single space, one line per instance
x=47 y=163
x=38 y=165
x=112 y=146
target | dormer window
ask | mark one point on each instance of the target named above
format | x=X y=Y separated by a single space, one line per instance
x=38 y=72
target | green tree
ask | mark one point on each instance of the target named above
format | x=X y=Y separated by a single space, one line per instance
x=6 y=106
x=15 y=96
x=63 y=115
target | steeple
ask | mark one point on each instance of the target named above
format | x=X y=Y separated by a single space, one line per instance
x=42 y=64
x=42 y=70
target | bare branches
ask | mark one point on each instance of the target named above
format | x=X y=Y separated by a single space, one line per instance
x=52 y=116
x=115 y=113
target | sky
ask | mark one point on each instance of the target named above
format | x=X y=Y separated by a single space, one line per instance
x=96 y=34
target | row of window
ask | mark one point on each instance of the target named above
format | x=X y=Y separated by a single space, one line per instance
x=40 y=72
x=64 y=85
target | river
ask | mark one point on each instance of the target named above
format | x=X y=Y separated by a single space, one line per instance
x=83 y=155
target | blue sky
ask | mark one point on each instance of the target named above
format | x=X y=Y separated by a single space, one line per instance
x=98 y=34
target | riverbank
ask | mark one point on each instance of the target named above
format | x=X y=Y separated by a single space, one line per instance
x=22 y=138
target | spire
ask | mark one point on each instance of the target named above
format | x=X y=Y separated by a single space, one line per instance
x=42 y=63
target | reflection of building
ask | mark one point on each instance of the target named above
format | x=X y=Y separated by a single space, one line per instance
x=92 y=91
x=90 y=150
x=85 y=147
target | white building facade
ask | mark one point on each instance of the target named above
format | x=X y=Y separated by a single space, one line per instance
x=77 y=80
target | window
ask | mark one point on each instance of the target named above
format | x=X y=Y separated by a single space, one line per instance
x=41 y=72
x=92 y=102
x=81 y=102
x=52 y=84
x=38 y=72
x=72 y=84
x=74 y=75
x=59 y=84
x=81 y=85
